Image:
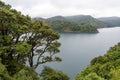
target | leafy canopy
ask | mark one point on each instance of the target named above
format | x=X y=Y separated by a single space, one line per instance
x=22 y=41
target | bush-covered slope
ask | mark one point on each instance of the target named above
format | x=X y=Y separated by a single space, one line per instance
x=105 y=67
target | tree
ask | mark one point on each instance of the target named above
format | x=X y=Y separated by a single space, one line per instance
x=44 y=44
x=23 y=40
x=12 y=49
x=51 y=74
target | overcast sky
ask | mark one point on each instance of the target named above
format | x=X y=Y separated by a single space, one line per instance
x=49 y=8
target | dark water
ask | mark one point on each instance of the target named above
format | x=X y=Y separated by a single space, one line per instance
x=78 y=49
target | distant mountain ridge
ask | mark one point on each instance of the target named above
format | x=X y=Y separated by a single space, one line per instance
x=80 y=23
x=78 y=19
x=111 y=21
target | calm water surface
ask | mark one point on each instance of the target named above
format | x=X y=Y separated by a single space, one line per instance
x=78 y=49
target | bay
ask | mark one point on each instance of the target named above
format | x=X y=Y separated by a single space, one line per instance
x=78 y=49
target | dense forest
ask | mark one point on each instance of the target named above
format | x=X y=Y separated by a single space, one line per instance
x=105 y=67
x=24 y=45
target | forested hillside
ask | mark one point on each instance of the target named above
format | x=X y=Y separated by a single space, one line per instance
x=77 y=21
x=105 y=67
x=63 y=24
x=67 y=26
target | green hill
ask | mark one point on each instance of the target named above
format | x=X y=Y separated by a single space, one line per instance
x=63 y=24
x=105 y=67
x=102 y=22
x=87 y=19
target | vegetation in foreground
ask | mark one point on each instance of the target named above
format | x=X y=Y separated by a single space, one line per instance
x=24 y=40
x=105 y=67
x=51 y=74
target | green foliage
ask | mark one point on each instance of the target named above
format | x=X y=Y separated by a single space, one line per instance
x=51 y=74
x=4 y=73
x=90 y=76
x=93 y=76
x=3 y=5
x=99 y=59
x=115 y=74
x=23 y=40
x=23 y=74
x=22 y=47
x=26 y=74
x=105 y=67
x=12 y=47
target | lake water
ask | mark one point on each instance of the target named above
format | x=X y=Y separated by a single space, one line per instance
x=78 y=49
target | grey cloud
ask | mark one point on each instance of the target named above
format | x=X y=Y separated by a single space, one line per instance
x=47 y=8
